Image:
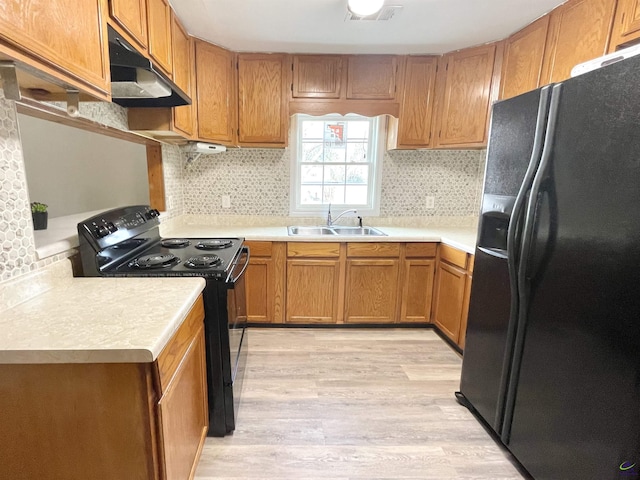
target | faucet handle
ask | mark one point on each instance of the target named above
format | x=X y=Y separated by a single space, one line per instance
x=360 y=221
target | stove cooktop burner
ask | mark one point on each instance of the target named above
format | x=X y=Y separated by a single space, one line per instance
x=175 y=243
x=203 y=261
x=213 y=244
x=155 y=261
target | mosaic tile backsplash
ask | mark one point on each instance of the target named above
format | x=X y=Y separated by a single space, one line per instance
x=257 y=180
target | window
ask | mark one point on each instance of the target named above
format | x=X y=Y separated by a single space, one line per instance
x=335 y=161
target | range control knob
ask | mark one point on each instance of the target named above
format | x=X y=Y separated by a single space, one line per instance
x=153 y=213
x=101 y=231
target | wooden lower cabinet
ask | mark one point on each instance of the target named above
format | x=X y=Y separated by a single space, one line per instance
x=465 y=306
x=265 y=282
x=452 y=293
x=313 y=291
x=417 y=290
x=371 y=290
x=108 y=420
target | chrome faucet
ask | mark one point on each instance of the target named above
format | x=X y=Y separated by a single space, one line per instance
x=331 y=221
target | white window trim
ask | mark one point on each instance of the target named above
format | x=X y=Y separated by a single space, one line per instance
x=298 y=210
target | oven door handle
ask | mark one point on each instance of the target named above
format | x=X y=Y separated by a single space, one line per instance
x=230 y=278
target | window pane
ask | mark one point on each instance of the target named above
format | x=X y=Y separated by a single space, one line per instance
x=312 y=129
x=334 y=174
x=358 y=174
x=334 y=194
x=311 y=195
x=312 y=152
x=311 y=174
x=334 y=153
x=357 y=130
x=357 y=152
x=356 y=195
x=334 y=132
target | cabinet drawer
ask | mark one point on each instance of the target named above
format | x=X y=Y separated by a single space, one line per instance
x=472 y=260
x=313 y=249
x=259 y=249
x=173 y=353
x=453 y=255
x=373 y=249
x=421 y=249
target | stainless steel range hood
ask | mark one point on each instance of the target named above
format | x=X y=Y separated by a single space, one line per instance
x=136 y=82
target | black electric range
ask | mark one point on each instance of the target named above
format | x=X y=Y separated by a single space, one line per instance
x=126 y=242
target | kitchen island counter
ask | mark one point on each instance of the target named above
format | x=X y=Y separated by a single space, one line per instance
x=97 y=320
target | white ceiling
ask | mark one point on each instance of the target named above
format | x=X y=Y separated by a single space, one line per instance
x=319 y=26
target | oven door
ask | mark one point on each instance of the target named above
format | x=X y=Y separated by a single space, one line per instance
x=237 y=311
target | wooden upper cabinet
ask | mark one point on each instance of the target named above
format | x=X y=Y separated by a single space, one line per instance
x=578 y=31
x=523 y=56
x=371 y=77
x=159 y=25
x=412 y=129
x=317 y=76
x=263 y=81
x=131 y=17
x=65 y=40
x=216 y=97
x=183 y=76
x=626 y=26
x=463 y=97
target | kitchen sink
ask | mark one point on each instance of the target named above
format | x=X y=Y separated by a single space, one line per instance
x=335 y=230
x=340 y=230
x=310 y=231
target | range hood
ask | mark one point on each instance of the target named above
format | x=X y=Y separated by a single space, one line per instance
x=136 y=82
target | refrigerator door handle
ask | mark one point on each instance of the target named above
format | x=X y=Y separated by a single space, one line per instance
x=525 y=250
x=513 y=237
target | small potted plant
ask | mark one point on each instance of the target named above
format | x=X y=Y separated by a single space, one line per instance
x=40 y=215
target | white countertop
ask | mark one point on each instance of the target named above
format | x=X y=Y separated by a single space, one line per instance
x=98 y=320
x=463 y=238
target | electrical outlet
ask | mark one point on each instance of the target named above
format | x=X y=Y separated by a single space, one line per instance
x=430 y=202
x=169 y=202
x=226 y=201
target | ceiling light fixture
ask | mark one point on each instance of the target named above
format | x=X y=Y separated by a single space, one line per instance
x=364 y=8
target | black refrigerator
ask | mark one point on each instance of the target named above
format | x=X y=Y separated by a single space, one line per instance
x=552 y=355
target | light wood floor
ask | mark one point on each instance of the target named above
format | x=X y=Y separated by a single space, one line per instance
x=346 y=404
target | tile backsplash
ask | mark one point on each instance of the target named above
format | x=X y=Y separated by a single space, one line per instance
x=258 y=180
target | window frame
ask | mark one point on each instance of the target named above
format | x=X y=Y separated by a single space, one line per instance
x=376 y=151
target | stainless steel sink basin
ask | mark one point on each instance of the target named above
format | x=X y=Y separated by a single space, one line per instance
x=310 y=231
x=335 y=230
x=340 y=230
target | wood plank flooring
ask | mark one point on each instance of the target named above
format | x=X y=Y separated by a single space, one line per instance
x=353 y=404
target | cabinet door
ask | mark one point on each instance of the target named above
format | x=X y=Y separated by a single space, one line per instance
x=159 y=25
x=523 y=55
x=264 y=282
x=64 y=38
x=371 y=291
x=465 y=311
x=262 y=106
x=184 y=412
x=372 y=77
x=626 y=26
x=417 y=290
x=416 y=103
x=463 y=96
x=131 y=16
x=449 y=299
x=578 y=31
x=313 y=288
x=317 y=76
x=216 y=99
x=184 y=76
